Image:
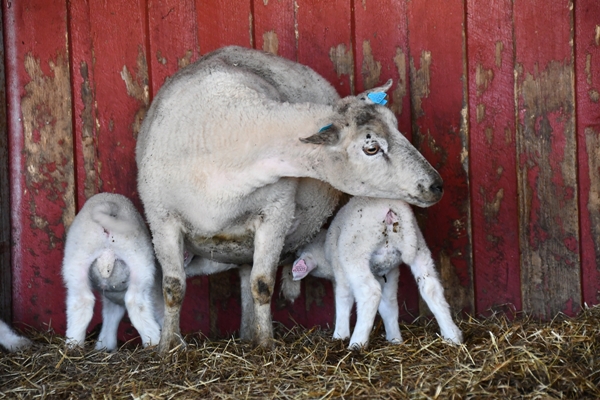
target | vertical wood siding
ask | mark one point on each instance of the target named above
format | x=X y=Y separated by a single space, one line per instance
x=501 y=97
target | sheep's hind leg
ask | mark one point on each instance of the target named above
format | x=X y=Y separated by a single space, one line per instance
x=111 y=316
x=247 y=303
x=344 y=300
x=367 y=292
x=432 y=292
x=388 y=307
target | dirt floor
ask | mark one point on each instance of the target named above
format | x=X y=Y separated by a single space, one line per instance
x=501 y=358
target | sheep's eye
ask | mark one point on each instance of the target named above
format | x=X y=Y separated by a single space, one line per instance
x=371 y=149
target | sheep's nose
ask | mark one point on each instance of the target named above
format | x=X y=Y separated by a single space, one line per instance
x=437 y=188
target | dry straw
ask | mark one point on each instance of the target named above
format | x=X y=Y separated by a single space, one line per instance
x=501 y=358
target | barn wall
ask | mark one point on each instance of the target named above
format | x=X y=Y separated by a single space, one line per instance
x=502 y=98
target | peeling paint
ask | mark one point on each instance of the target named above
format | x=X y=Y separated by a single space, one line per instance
x=88 y=142
x=547 y=182
x=185 y=60
x=489 y=135
x=419 y=82
x=48 y=143
x=343 y=62
x=480 y=112
x=138 y=89
x=499 y=50
x=159 y=57
x=371 y=69
x=483 y=78
x=491 y=208
x=592 y=144
x=400 y=91
x=270 y=42
x=597 y=35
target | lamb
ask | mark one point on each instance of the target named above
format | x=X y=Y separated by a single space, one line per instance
x=360 y=253
x=10 y=340
x=108 y=249
x=241 y=159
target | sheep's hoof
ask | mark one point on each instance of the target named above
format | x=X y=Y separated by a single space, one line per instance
x=174 y=344
x=357 y=346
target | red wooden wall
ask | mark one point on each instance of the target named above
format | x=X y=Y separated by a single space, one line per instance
x=502 y=97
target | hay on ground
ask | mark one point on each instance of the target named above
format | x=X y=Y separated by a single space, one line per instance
x=500 y=359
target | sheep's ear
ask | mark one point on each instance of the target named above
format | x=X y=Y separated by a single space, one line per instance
x=376 y=95
x=328 y=135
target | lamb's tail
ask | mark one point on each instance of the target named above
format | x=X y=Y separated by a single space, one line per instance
x=290 y=289
x=112 y=217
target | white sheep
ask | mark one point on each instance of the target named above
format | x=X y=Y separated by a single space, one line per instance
x=11 y=340
x=241 y=158
x=108 y=249
x=360 y=253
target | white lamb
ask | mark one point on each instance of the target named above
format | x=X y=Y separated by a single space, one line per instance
x=109 y=249
x=10 y=340
x=360 y=253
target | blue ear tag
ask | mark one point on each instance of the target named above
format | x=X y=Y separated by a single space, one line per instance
x=325 y=128
x=378 y=97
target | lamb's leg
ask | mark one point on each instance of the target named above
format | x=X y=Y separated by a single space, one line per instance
x=247 y=303
x=168 y=246
x=290 y=289
x=138 y=301
x=80 y=307
x=344 y=300
x=388 y=307
x=111 y=316
x=432 y=292
x=367 y=292
x=10 y=340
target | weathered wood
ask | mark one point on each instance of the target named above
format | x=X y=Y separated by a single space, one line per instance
x=5 y=242
x=274 y=27
x=41 y=153
x=226 y=22
x=439 y=125
x=492 y=153
x=546 y=150
x=121 y=90
x=587 y=84
x=325 y=41
x=381 y=54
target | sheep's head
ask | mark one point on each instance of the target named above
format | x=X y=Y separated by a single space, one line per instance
x=366 y=155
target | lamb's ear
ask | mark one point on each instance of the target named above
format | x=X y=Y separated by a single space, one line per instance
x=376 y=95
x=328 y=135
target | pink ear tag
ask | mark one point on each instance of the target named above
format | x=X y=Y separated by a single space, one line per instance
x=300 y=270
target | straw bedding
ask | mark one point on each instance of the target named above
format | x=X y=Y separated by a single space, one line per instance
x=501 y=358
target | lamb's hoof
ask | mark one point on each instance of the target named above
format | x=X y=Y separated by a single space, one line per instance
x=455 y=336
x=396 y=341
x=357 y=346
x=20 y=344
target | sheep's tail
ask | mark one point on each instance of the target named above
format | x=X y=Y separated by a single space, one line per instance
x=112 y=218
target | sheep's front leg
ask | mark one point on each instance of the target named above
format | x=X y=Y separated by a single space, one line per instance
x=269 y=239
x=388 y=307
x=432 y=292
x=111 y=316
x=168 y=246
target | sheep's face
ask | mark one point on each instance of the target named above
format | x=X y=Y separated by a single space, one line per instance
x=366 y=155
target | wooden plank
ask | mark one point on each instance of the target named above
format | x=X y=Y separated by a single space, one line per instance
x=222 y=23
x=274 y=23
x=121 y=90
x=5 y=267
x=587 y=81
x=325 y=45
x=381 y=37
x=546 y=149
x=325 y=41
x=41 y=156
x=492 y=156
x=438 y=95
x=173 y=44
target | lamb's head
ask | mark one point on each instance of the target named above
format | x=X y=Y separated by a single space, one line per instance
x=364 y=154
